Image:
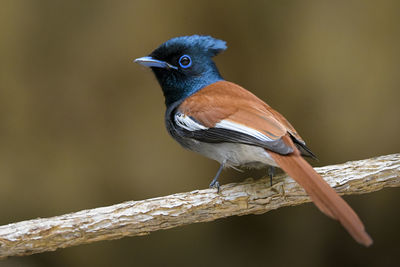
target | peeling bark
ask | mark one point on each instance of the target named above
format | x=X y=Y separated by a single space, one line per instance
x=134 y=218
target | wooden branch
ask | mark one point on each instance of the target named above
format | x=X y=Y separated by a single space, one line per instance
x=135 y=218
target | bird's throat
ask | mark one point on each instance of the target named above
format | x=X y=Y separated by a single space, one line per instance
x=179 y=90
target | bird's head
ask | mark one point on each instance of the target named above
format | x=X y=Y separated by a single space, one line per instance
x=183 y=65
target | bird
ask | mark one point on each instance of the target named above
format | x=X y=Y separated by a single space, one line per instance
x=227 y=123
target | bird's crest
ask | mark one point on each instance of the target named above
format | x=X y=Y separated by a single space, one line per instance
x=205 y=44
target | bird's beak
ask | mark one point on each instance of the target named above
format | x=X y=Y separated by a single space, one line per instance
x=154 y=63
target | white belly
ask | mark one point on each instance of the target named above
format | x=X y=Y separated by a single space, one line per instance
x=234 y=154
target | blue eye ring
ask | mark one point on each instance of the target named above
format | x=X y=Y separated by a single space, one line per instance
x=185 y=61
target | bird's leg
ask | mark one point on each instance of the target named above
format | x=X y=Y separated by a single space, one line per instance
x=214 y=182
x=271 y=173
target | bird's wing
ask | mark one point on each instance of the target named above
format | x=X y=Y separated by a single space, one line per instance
x=226 y=112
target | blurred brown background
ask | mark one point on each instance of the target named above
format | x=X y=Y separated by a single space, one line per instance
x=81 y=126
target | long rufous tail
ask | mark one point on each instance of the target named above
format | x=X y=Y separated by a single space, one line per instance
x=324 y=196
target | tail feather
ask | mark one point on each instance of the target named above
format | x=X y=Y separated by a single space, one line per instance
x=324 y=196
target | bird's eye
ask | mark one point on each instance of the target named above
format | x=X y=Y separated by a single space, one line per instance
x=185 y=61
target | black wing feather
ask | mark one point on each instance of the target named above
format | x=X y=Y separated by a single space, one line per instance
x=221 y=135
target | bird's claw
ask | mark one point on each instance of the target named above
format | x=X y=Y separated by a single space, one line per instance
x=215 y=184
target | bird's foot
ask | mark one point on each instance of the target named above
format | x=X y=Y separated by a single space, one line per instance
x=271 y=173
x=215 y=184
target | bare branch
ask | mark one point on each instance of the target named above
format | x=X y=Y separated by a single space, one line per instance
x=135 y=218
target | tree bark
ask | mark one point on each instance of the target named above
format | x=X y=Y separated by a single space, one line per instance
x=134 y=218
